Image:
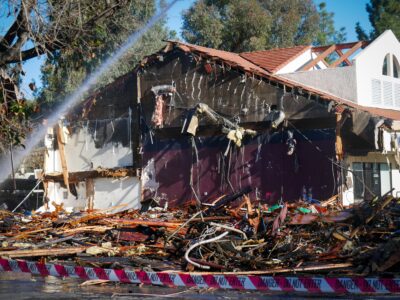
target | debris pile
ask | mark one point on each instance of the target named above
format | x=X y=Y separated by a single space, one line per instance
x=232 y=234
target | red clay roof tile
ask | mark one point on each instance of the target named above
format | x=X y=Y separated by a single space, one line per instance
x=274 y=59
x=229 y=57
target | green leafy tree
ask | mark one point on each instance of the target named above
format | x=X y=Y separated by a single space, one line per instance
x=237 y=26
x=75 y=35
x=63 y=71
x=294 y=22
x=382 y=14
x=327 y=33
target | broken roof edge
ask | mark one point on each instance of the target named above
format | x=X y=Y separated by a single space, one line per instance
x=379 y=112
x=294 y=85
x=230 y=57
x=251 y=68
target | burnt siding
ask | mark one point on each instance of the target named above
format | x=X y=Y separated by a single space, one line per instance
x=104 y=116
x=225 y=90
x=261 y=163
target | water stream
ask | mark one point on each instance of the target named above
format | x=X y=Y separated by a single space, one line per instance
x=74 y=98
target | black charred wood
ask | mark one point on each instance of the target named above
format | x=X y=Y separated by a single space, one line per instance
x=228 y=198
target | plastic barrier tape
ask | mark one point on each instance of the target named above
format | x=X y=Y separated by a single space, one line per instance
x=309 y=284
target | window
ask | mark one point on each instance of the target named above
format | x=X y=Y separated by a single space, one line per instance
x=391 y=66
x=396 y=67
x=371 y=179
x=385 y=68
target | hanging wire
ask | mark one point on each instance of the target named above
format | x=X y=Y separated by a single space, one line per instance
x=194 y=151
x=331 y=160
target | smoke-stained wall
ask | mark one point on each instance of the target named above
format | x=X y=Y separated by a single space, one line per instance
x=182 y=167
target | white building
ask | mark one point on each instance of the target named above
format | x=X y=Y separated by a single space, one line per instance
x=367 y=74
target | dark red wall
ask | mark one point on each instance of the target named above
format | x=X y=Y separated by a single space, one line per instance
x=261 y=164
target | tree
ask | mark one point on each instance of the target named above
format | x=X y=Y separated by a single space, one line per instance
x=237 y=26
x=327 y=34
x=64 y=30
x=64 y=71
x=382 y=14
x=361 y=34
x=294 y=22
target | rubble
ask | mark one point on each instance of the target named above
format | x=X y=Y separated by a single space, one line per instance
x=231 y=235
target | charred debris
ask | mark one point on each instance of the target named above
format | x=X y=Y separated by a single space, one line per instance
x=202 y=161
x=232 y=234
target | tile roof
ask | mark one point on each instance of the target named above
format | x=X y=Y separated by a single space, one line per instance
x=248 y=66
x=233 y=59
x=274 y=59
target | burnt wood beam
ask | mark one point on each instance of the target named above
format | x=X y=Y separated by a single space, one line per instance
x=319 y=58
x=346 y=55
x=100 y=173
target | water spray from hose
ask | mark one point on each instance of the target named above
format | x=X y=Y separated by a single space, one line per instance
x=71 y=100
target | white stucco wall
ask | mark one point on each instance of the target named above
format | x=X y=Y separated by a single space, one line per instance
x=81 y=153
x=113 y=192
x=108 y=193
x=58 y=195
x=369 y=63
x=340 y=82
x=300 y=62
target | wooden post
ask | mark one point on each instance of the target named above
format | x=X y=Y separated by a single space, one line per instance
x=61 y=150
x=90 y=193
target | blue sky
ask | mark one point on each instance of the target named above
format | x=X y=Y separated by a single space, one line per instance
x=347 y=14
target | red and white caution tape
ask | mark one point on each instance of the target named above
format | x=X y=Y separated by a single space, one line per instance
x=309 y=284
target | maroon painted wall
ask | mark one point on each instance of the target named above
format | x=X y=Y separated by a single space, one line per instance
x=260 y=164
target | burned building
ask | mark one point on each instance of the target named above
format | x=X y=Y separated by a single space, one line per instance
x=194 y=123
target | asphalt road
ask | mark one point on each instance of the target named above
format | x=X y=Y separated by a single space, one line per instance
x=15 y=286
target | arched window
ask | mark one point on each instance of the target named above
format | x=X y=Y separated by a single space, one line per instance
x=396 y=67
x=386 y=65
x=391 y=66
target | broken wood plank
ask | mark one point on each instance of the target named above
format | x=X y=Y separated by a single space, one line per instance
x=61 y=150
x=43 y=252
x=83 y=175
x=279 y=270
x=24 y=234
x=95 y=228
x=142 y=222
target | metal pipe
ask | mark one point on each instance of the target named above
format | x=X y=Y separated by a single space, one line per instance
x=27 y=196
x=229 y=228
x=199 y=244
